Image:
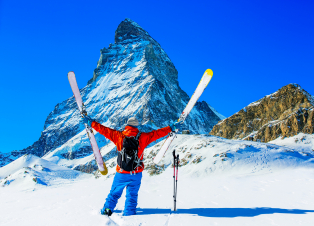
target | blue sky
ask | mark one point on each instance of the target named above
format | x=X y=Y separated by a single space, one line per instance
x=253 y=47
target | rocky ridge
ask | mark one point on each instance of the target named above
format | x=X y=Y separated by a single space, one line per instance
x=285 y=113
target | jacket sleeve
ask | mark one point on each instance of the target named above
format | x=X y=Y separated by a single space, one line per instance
x=111 y=134
x=147 y=138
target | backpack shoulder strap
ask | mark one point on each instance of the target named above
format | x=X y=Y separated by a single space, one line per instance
x=138 y=136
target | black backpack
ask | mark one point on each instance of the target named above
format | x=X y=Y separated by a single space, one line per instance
x=128 y=158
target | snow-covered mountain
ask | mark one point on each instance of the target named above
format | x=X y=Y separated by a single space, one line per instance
x=134 y=77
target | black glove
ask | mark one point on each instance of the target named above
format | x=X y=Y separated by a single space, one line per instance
x=87 y=120
x=176 y=126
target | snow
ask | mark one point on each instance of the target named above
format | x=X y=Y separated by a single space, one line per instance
x=221 y=182
x=281 y=198
x=30 y=172
x=205 y=155
x=301 y=142
x=253 y=104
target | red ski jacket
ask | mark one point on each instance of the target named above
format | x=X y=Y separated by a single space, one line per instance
x=117 y=138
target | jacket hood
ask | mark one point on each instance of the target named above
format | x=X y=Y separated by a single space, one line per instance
x=130 y=131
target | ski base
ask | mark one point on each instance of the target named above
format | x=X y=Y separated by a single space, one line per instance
x=207 y=76
x=100 y=162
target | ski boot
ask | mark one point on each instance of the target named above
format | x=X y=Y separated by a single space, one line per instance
x=106 y=211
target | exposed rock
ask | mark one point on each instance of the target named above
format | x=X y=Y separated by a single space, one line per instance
x=6 y=158
x=90 y=167
x=130 y=31
x=284 y=113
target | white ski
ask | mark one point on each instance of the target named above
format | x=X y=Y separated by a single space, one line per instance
x=100 y=162
x=196 y=95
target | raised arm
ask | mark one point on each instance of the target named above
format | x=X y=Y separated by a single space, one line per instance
x=147 y=138
x=111 y=134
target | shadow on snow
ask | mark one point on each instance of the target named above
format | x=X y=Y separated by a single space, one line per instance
x=223 y=212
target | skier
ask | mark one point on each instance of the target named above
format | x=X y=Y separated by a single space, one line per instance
x=130 y=164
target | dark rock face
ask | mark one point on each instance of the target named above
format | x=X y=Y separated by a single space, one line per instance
x=129 y=30
x=80 y=153
x=134 y=77
x=91 y=166
x=284 y=113
x=6 y=158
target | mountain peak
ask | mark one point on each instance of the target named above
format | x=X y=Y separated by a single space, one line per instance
x=134 y=77
x=128 y=29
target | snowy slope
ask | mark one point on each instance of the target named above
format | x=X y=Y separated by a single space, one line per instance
x=280 y=198
x=108 y=151
x=29 y=172
x=203 y=155
x=301 y=142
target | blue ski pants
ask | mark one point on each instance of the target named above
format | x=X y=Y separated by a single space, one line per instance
x=132 y=184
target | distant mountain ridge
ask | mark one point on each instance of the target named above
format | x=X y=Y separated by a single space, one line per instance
x=285 y=113
x=134 y=77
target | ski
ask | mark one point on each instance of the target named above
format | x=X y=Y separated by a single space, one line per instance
x=100 y=162
x=196 y=95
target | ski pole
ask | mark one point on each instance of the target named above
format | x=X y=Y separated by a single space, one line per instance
x=174 y=179
x=177 y=181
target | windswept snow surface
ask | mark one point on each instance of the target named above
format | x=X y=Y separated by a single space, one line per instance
x=282 y=198
x=302 y=142
x=221 y=182
x=30 y=172
x=204 y=155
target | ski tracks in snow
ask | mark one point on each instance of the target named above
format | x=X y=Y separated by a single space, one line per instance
x=168 y=220
x=110 y=222
x=118 y=220
x=170 y=216
x=115 y=220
